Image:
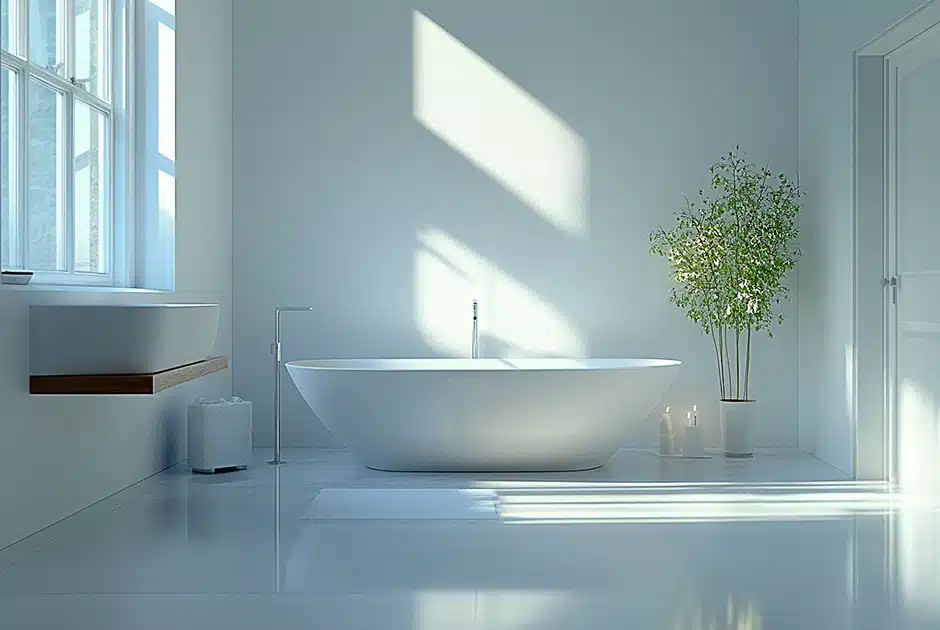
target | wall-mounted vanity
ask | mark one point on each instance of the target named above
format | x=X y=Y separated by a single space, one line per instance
x=120 y=349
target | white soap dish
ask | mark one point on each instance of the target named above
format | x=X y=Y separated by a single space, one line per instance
x=15 y=276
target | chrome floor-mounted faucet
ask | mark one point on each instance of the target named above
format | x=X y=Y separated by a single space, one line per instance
x=475 y=345
x=276 y=351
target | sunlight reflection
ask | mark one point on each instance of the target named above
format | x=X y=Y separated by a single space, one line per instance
x=679 y=502
x=500 y=128
x=918 y=468
x=849 y=378
x=514 y=321
x=736 y=614
x=499 y=610
x=919 y=563
x=680 y=485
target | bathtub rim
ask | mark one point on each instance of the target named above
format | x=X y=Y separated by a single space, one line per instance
x=482 y=365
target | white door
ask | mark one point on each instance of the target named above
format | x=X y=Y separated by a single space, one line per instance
x=914 y=257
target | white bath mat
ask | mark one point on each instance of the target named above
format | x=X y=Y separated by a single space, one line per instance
x=402 y=504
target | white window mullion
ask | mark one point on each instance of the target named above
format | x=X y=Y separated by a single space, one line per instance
x=69 y=183
x=22 y=26
x=66 y=42
x=108 y=239
x=106 y=67
x=23 y=198
x=68 y=33
x=18 y=209
x=138 y=129
x=123 y=191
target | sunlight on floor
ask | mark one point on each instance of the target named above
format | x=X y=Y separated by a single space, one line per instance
x=514 y=321
x=919 y=564
x=918 y=439
x=499 y=610
x=738 y=613
x=500 y=128
x=546 y=502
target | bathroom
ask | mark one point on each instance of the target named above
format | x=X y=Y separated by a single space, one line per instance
x=391 y=164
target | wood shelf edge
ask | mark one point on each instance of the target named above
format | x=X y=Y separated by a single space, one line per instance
x=124 y=384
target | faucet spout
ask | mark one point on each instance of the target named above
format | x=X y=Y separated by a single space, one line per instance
x=475 y=344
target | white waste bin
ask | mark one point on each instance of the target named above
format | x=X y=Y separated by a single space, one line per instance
x=219 y=435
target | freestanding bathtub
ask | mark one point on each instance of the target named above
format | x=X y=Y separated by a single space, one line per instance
x=483 y=415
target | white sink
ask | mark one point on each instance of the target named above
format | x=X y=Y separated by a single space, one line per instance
x=119 y=339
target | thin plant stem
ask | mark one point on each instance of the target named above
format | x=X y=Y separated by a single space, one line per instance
x=737 y=364
x=721 y=376
x=747 y=366
x=727 y=356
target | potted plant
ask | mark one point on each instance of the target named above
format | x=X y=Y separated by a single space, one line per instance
x=730 y=254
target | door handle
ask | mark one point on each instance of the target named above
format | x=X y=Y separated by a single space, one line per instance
x=893 y=283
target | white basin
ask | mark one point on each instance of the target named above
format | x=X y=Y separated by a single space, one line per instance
x=119 y=339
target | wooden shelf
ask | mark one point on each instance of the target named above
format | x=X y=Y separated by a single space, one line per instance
x=124 y=384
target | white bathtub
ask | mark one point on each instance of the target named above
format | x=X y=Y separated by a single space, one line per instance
x=483 y=414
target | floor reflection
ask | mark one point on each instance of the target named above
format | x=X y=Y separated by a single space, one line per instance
x=322 y=542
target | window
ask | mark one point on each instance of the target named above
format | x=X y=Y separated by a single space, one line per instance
x=59 y=198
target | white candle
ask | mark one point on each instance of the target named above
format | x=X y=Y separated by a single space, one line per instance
x=692 y=443
x=666 y=435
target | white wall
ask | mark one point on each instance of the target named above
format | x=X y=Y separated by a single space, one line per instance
x=830 y=32
x=60 y=454
x=528 y=177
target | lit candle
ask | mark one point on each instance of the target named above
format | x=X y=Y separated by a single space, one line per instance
x=692 y=442
x=666 y=437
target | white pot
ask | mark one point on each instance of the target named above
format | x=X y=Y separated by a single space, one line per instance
x=738 y=422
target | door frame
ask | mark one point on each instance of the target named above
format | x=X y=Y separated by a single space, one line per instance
x=874 y=395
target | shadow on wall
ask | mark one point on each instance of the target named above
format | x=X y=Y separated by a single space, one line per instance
x=409 y=176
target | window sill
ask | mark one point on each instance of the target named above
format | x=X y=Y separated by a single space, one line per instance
x=77 y=288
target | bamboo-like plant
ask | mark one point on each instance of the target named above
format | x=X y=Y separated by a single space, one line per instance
x=730 y=253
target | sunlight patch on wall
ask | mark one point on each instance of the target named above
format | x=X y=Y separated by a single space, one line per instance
x=166 y=90
x=499 y=127
x=514 y=321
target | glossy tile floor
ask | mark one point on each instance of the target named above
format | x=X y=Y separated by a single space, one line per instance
x=781 y=541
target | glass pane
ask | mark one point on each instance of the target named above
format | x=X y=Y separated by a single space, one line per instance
x=45 y=210
x=91 y=190
x=8 y=96
x=5 y=22
x=91 y=35
x=46 y=43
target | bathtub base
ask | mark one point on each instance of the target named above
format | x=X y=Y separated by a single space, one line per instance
x=484 y=468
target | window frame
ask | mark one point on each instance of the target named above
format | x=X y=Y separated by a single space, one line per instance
x=117 y=75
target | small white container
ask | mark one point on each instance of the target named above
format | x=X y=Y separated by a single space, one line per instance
x=693 y=444
x=219 y=435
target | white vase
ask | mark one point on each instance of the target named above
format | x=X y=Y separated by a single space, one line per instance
x=738 y=422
